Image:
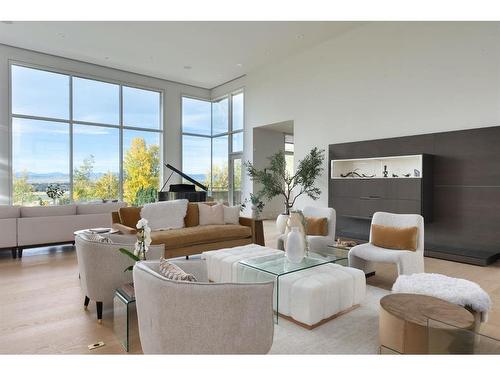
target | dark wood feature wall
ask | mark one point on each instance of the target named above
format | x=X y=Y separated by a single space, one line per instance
x=465 y=223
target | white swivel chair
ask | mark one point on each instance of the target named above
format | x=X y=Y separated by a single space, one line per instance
x=317 y=242
x=101 y=267
x=180 y=317
x=408 y=262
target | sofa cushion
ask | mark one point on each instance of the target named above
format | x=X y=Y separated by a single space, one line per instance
x=317 y=226
x=394 y=238
x=63 y=210
x=199 y=235
x=211 y=215
x=8 y=212
x=129 y=216
x=174 y=272
x=165 y=215
x=232 y=214
x=98 y=208
x=192 y=218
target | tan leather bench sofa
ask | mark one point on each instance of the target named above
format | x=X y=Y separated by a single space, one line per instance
x=193 y=238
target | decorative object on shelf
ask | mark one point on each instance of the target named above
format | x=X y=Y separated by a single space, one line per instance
x=142 y=244
x=257 y=205
x=354 y=174
x=54 y=192
x=295 y=248
x=395 y=175
x=407 y=175
x=385 y=172
x=346 y=244
x=277 y=181
x=416 y=173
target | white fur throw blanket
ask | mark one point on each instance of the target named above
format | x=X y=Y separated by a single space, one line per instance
x=458 y=291
x=165 y=215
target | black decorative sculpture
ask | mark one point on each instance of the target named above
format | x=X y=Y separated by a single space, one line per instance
x=386 y=172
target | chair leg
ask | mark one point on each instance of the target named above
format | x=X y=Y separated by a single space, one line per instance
x=14 y=253
x=187 y=257
x=99 y=312
x=20 y=252
x=86 y=303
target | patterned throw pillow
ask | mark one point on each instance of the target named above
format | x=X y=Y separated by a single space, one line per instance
x=173 y=272
x=96 y=237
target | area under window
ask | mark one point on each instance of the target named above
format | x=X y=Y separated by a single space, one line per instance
x=71 y=131
x=212 y=144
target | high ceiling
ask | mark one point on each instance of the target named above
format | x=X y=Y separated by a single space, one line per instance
x=204 y=54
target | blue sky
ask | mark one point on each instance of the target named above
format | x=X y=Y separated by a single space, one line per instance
x=43 y=146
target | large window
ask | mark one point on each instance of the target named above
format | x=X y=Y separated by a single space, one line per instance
x=95 y=140
x=212 y=144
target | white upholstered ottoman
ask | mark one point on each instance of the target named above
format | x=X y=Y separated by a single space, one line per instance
x=308 y=297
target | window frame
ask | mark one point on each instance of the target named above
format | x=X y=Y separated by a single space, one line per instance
x=231 y=155
x=71 y=121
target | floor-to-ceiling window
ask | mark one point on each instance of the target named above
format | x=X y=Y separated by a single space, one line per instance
x=92 y=139
x=212 y=144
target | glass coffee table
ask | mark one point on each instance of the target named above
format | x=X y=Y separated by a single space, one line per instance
x=275 y=266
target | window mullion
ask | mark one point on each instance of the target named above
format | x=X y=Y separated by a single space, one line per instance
x=71 y=138
x=120 y=161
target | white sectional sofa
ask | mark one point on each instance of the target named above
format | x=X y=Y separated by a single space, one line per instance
x=25 y=227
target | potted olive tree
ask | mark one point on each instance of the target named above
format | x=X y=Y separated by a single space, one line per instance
x=276 y=181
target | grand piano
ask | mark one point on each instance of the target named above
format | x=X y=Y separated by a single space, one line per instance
x=182 y=191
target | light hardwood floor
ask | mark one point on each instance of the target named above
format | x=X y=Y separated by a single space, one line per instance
x=41 y=304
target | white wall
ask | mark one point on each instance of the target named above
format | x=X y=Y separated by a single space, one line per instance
x=377 y=81
x=265 y=144
x=172 y=101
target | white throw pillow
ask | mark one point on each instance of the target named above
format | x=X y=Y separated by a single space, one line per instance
x=231 y=215
x=211 y=214
x=165 y=215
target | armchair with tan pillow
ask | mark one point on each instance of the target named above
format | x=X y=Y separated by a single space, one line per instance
x=193 y=238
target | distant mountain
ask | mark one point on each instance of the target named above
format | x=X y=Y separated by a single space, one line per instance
x=49 y=177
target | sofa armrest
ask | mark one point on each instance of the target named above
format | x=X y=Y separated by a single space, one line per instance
x=115 y=217
x=123 y=228
x=257 y=229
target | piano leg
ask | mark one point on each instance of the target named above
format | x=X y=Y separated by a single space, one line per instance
x=187 y=257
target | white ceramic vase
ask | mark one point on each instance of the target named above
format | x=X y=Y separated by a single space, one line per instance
x=295 y=246
x=281 y=221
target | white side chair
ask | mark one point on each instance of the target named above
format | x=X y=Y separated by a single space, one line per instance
x=364 y=256
x=101 y=267
x=317 y=242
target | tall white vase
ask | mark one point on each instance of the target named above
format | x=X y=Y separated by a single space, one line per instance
x=295 y=246
x=281 y=221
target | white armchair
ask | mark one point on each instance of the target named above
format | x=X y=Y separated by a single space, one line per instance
x=408 y=262
x=317 y=242
x=101 y=267
x=179 y=317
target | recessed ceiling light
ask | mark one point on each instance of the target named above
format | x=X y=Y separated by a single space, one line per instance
x=106 y=57
x=187 y=67
x=300 y=36
x=239 y=65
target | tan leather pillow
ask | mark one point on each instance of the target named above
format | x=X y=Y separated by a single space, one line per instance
x=129 y=216
x=394 y=238
x=317 y=226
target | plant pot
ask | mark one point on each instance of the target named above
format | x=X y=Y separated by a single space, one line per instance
x=281 y=221
x=295 y=246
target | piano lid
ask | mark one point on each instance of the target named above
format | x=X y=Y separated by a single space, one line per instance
x=182 y=174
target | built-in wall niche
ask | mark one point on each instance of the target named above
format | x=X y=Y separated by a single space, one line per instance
x=404 y=166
